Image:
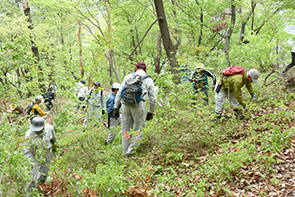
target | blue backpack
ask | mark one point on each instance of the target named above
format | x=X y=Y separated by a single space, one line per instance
x=131 y=93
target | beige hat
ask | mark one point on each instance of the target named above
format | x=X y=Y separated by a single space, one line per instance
x=254 y=74
x=40 y=98
x=116 y=85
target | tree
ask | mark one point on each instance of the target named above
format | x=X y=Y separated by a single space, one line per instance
x=167 y=42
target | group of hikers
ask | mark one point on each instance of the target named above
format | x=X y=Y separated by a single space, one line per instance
x=126 y=106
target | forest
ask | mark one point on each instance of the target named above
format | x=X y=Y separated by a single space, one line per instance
x=184 y=150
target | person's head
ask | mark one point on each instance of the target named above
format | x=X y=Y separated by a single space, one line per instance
x=83 y=82
x=140 y=65
x=37 y=125
x=115 y=88
x=50 y=89
x=96 y=85
x=39 y=99
x=253 y=75
x=200 y=68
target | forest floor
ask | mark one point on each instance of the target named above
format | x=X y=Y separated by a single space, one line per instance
x=185 y=152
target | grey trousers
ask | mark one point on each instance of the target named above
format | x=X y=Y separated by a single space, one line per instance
x=220 y=99
x=92 y=113
x=131 y=135
x=113 y=128
x=40 y=174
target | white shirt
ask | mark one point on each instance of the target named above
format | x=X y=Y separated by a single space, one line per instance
x=36 y=142
x=293 y=49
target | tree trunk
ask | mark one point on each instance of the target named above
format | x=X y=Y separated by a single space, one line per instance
x=80 y=54
x=177 y=31
x=111 y=54
x=167 y=42
x=229 y=32
x=158 y=57
x=202 y=26
x=27 y=12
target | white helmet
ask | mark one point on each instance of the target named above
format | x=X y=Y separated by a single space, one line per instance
x=116 y=85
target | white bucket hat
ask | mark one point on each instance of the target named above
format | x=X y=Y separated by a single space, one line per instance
x=254 y=74
x=116 y=85
x=40 y=98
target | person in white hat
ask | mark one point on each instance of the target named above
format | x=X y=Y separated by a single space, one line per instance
x=113 y=123
x=95 y=100
x=231 y=89
x=39 y=150
x=34 y=109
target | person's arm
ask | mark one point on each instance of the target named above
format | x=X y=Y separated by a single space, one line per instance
x=39 y=110
x=29 y=149
x=209 y=74
x=102 y=100
x=237 y=85
x=118 y=95
x=152 y=95
x=248 y=85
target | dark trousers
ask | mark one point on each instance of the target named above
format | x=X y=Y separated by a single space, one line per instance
x=205 y=97
x=291 y=64
x=80 y=99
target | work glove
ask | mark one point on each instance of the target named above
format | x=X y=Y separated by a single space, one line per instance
x=149 y=116
x=103 y=112
x=48 y=112
x=254 y=97
x=115 y=113
x=213 y=87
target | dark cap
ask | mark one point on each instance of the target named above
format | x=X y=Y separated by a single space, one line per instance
x=140 y=65
x=83 y=82
x=37 y=124
x=96 y=83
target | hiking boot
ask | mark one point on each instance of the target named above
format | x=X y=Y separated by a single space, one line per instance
x=239 y=114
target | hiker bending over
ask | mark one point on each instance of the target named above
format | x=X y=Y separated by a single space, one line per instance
x=231 y=90
x=199 y=80
x=39 y=146
x=95 y=100
x=134 y=91
x=113 y=123
x=34 y=109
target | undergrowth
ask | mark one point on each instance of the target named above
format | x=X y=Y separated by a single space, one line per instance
x=185 y=152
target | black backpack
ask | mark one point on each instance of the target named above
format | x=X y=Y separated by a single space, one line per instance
x=29 y=108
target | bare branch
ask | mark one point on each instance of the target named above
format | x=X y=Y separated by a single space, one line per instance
x=143 y=37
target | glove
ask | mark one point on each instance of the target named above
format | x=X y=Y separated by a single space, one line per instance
x=103 y=112
x=213 y=87
x=115 y=113
x=254 y=97
x=149 y=116
x=48 y=112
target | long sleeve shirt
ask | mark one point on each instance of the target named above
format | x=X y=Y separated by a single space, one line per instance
x=36 y=109
x=96 y=98
x=235 y=83
x=81 y=90
x=110 y=103
x=148 y=90
x=44 y=144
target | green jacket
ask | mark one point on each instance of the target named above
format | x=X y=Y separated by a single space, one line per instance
x=235 y=83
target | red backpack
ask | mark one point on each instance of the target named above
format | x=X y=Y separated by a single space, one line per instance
x=234 y=70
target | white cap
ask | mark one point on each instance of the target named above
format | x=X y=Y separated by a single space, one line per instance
x=254 y=74
x=40 y=98
x=116 y=85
